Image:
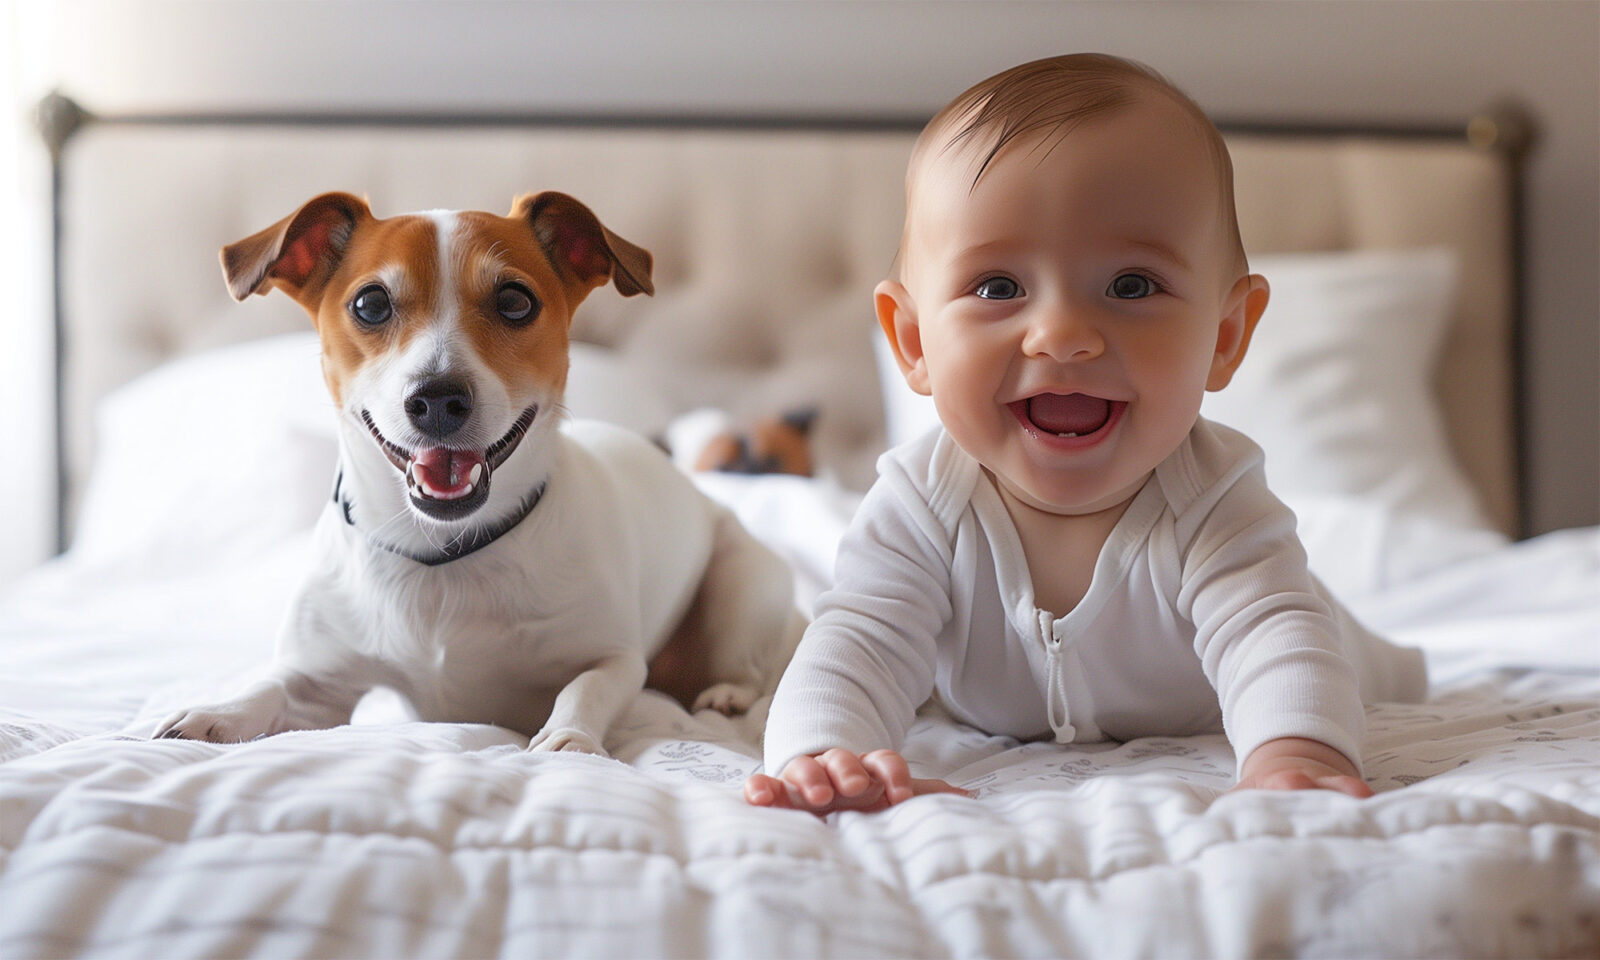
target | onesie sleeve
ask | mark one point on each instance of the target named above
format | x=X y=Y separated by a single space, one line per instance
x=1267 y=639
x=867 y=662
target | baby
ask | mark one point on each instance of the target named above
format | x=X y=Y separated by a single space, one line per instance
x=1075 y=554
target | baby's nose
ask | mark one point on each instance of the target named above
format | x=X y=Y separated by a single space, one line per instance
x=1063 y=333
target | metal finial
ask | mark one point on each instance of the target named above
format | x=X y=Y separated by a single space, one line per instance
x=57 y=118
x=1505 y=127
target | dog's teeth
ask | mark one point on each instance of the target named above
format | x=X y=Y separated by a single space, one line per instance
x=477 y=471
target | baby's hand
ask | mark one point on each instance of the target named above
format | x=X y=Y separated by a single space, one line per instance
x=841 y=780
x=1291 y=763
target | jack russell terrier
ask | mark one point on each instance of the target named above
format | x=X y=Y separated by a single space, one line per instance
x=480 y=557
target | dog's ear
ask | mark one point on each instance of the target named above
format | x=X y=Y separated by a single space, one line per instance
x=580 y=245
x=296 y=254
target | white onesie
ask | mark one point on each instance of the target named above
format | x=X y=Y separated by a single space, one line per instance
x=1201 y=616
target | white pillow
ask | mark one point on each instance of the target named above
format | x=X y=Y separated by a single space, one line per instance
x=603 y=384
x=906 y=413
x=1338 y=385
x=215 y=454
x=1337 y=389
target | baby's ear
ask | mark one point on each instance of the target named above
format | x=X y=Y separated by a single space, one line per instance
x=897 y=315
x=1241 y=312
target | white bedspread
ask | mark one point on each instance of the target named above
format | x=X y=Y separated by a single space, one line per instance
x=396 y=838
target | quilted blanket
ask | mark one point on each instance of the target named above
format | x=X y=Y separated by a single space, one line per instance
x=396 y=838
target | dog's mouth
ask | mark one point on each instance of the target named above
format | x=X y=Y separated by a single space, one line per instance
x=448 y=483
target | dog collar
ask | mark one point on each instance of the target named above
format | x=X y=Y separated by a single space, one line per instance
x=460 y=547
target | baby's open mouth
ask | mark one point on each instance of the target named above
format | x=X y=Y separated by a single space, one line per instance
x=1067 y=415
x=446 y=482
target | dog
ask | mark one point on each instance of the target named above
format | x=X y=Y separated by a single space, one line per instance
x=481 y=555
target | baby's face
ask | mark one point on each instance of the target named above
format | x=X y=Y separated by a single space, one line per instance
x=1068 y=307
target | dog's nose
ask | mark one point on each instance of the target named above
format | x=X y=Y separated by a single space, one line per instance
x=439 y=408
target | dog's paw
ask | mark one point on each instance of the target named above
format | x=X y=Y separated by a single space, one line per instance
x=213 y=725
x=568 y=740
x=726 y=698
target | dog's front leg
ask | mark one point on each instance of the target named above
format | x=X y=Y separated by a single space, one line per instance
x=585 y=708
x=288 y=700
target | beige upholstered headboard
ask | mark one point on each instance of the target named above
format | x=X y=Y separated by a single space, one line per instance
x=768 y=240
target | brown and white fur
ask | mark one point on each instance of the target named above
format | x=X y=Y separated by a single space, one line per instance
x=487 y=561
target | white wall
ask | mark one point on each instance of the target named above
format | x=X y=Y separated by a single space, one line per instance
x=26 y=358
x=1391 y=60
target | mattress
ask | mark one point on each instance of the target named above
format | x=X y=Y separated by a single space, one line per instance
x=391 y=837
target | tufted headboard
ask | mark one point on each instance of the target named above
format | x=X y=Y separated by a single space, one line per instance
x=768 y=239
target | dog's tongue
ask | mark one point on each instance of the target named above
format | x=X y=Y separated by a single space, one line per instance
x=1068 y=413
x=446 y=472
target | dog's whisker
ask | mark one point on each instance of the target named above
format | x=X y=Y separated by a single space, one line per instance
x=399 y=516
x=398 y=519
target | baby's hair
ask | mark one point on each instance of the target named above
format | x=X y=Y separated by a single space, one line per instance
x=1047 y=99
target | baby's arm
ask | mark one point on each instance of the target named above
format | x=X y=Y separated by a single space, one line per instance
x=1292 y=763
x=866 y=663
x=1270 y=642
x=840 y=780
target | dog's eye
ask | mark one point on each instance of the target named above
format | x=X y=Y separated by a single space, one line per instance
x=371 y=305
x=516 y=304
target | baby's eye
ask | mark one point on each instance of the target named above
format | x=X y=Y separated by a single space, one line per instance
x=998 y=288
x=1132 y=286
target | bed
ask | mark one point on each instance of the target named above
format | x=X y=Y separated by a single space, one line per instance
x=196 y=452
